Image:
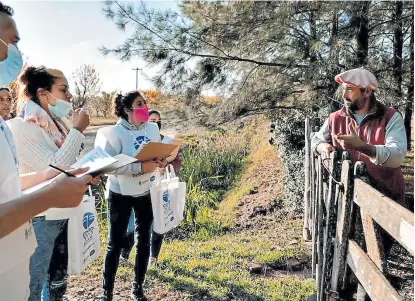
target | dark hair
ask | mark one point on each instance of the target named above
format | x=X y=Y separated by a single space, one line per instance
x=5 y=89
x=33 y=78
x=122 y=102
x=6 y=9
x=151 y=112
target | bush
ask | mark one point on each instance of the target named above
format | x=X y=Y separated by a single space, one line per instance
x=210 y=164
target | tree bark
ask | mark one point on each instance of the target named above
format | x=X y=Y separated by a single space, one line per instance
x=410 y=99
x=362 y=34
x=397 y=49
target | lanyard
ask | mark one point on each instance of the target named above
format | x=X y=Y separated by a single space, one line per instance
x=9 y=140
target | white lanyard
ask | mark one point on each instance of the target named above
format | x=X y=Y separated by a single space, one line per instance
x=9 y=140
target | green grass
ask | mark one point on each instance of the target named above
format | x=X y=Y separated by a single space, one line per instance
x=216 y=269
x=202 y=258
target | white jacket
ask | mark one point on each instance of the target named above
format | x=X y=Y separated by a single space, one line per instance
x=125 y=138
x=36 y=150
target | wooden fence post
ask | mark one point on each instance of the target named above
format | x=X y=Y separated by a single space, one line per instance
x=343 y=224
x=330 y=228
x=320 y=227
x=306 y=230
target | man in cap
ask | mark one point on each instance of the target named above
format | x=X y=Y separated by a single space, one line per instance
x=369 y=131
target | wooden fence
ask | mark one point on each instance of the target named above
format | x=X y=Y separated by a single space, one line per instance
x=340 y=204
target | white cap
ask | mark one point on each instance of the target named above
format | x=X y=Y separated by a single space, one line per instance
x=359 y=77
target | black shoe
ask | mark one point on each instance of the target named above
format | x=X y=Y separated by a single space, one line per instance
x=137 y=294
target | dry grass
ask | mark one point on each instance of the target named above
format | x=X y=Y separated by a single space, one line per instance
x=95 y=121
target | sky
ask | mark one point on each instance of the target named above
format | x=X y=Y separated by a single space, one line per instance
x=66 y=34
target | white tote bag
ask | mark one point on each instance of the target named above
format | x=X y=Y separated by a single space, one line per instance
x=135 y=184
x=167 y=200
x=83 y=237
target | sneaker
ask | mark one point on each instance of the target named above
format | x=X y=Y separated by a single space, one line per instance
x=138 y=294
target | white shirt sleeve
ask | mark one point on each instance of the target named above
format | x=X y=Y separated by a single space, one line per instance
x=393 y=152
x=322 y=136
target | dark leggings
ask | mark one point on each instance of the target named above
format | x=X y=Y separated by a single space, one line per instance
x=119 y=210
x=155 y=244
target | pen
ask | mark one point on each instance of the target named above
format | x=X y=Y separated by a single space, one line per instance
x=62 y=171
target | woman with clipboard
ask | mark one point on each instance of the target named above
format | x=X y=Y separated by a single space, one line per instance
x=156 y=238
x=128 y=136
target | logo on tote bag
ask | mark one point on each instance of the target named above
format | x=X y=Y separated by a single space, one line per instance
x=168 y=214
x=88 y=220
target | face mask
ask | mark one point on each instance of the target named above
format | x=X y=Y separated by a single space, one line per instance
x=141 y=114
x=10 y=67
x=61 y=109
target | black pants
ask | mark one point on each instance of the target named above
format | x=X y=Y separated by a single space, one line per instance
x=58 y=268
x=119 y=210
x=155 y=244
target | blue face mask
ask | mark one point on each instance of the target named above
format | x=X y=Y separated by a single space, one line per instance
x=61 y=109
x=10 y=68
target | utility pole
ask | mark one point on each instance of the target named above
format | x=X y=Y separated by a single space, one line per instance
x=136 y=77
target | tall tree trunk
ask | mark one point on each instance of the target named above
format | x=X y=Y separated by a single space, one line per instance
x=410 y=99
x=397 y=49
x=334 y=57
x=360 y=21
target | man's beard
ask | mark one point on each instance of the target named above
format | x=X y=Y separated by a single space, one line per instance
x=356 y=105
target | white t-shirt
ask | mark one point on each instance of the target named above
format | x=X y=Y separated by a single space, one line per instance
x=17 y=247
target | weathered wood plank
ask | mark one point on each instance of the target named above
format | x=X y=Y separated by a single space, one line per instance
x=343 y=226
x=374 y=282
x=320 y=230
x=373 y=240
x=306 y=232
x=331 y=220
x=317 y=203
x=395 y=219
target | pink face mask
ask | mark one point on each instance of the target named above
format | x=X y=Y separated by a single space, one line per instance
x=141 y=114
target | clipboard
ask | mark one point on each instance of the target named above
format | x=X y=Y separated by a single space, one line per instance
x=154 y=150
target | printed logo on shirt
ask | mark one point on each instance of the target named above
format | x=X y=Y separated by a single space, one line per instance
x=139 y=140
x=88 y=219
x=152 y=178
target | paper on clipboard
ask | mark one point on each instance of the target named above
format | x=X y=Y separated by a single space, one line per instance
x=97 y=160
x=122 y=160
x=154 y=150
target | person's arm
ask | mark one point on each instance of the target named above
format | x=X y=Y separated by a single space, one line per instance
x=34 y=178
x=321 y=138
x=35 y=151
x=393 y=152
x=174 y=153
x=31 y=179
x=64 y=192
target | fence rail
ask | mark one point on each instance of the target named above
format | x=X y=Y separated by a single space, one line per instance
x=342 y=213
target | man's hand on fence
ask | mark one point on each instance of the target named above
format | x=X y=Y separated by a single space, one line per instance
x=324 y=149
